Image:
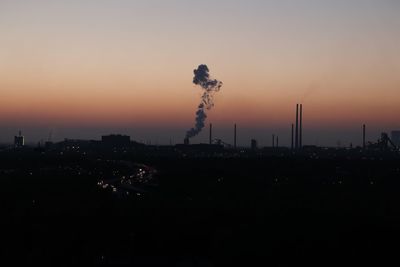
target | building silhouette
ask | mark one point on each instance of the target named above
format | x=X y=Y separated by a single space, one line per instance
x=19 y=140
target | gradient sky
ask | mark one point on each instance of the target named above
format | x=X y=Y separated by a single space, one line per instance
x=83 y=68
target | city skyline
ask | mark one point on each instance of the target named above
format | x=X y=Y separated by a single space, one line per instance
x=83 y=69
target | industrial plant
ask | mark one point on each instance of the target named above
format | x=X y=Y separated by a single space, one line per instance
x=216 y=147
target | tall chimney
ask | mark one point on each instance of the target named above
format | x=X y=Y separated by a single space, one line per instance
x=277 y=141
x=234 y=136
x=292 y=145
x=273 y=140
x=364 y=130
x=301 y=127
x=297 y=128
x=210 y=133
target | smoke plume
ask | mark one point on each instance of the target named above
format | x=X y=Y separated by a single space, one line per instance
x=210 y=87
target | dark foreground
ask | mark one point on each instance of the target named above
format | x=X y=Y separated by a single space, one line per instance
x=201 y=212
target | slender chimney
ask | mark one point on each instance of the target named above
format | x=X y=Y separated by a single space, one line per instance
x=210 y=133
x=301 y=127
x=297 y=128
x=364 y=130
x=273 y=140
x=277 y=141
x=234 y=136
x=292 y=145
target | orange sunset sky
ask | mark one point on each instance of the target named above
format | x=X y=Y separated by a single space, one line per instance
x=85 y=68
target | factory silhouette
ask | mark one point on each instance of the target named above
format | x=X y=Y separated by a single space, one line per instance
x=216 y=146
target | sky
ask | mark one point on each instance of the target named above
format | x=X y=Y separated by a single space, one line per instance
x=85 y=68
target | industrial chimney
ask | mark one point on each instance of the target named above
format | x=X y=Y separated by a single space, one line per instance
x=301 y=127
x=234 y=137
x=273 y=141
x=292 y=141
x=296 y=146
x=364 y=130
x=298 y=140
x=210 y=134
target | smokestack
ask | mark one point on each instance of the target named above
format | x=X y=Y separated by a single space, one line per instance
x=273 y=140
x=301 y=127
x=292 y=145
x=234 y=137
x=210 y=133
x=186 y=141
x=364 y=130
x=297 y=128
x=277 y=141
